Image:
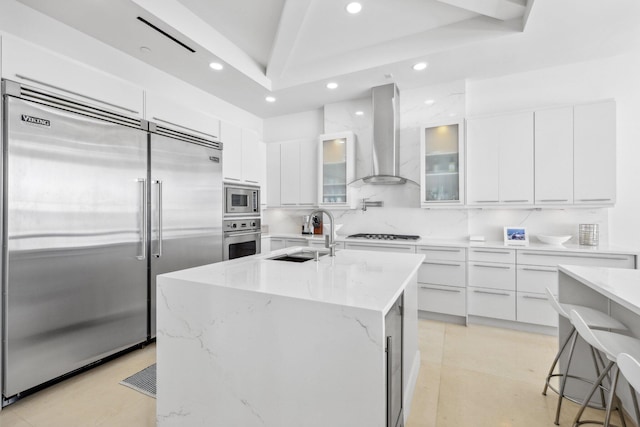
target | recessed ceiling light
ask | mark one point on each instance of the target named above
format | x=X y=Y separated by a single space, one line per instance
x=216 y=66
x=354 y=7
x=429 y=101
x=270 y=99
x=359 y=113
x=420 y=66
x=332 y=85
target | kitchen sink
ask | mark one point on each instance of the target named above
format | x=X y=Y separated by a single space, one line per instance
x=300 y=256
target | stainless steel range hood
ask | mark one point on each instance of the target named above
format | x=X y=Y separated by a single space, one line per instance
x=386 y=136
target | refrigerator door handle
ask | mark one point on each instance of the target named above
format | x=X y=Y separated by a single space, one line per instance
x=143 y=219
x=159 y=254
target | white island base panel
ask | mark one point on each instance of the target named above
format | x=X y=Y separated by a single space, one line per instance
x=247 y=357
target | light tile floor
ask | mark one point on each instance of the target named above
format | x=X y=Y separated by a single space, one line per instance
x=473 y=376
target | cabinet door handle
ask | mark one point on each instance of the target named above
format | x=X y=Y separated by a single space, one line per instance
x=539 y=269
x=553 y=200
x=516 y=201
x=532 y=297
x=254 y=182
x=487 y=201
x=576 y=255
x=231 y=179
x=439 y=250
x=407 y=248
x=502 y=267
x=490 y=252
x=456 y=291
x=594 y=200
x=442 y=263
x=504 y=294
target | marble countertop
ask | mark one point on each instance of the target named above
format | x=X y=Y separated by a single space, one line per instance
x=618 y=284
x=426 y=241
x=360 y=279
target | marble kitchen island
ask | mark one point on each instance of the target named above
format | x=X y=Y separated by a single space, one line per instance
x=261 y=342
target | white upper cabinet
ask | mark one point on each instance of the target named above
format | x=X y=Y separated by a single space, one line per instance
x=336 y=168
x=595 y=153
x=167 y=113
x=34 y=66
x=500 y=160
x=442 y=164
x=554 y=156
x=251 y=164
x=292 y=173
x=273 y=174
x=241 y=161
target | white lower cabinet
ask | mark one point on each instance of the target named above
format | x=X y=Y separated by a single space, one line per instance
x=494 y=303
x=442 y=299
x=538 y=270
x=535 y=308
x=492 y=283
x=281 y=243
x=380 y=247
x=316 y=243
x=442 y=280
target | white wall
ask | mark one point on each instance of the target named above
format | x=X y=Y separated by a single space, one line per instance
x=32 y=26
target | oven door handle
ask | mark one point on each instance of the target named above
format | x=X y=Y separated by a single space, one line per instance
x=248 y=233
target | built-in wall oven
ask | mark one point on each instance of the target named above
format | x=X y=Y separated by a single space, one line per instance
x=241 y=200
x=241 y=225
x=241 y=237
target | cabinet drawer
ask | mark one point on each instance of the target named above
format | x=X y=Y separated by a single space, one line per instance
x=535 y=308
x=441 y=253
x=530 y=278
x=495 y=276
x=381 y=248
x=507 y=256
x=316 y=243
x=492 y=303
x=277 y=244
x=442 y=273
x=442 y=299
x=296 y=242
x=575 y=258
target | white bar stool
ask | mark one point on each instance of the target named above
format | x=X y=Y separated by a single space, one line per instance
x=629 y=367
x=610 y=344
x=595 y=319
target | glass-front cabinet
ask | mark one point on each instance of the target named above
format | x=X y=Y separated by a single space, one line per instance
x=442 y=164
x=336 y=154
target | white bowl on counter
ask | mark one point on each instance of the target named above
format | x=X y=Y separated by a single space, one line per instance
x=553 y=240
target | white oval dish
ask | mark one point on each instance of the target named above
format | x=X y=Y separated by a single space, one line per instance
x=553 y=240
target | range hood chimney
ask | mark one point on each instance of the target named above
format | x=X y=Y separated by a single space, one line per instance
x=386 y=136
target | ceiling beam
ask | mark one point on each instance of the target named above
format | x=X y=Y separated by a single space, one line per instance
x=294 y=14
x=182 y=20
x=503 y=10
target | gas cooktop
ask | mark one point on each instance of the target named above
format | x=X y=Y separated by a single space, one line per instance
x=384 y=236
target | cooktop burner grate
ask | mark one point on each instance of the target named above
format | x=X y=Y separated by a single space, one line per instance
x=384 y=236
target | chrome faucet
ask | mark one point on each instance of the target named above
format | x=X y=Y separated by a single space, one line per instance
x=329 y=240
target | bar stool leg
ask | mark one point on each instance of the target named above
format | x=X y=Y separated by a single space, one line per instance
x=603 y=400
x=596 y=384
x=612 y=400
x=635 y=403
x=565 y=376
x=622 y=420
x=555 y=361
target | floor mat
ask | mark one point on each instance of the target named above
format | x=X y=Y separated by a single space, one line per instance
x=143 y=381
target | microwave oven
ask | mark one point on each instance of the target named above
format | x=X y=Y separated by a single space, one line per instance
x=241 y=200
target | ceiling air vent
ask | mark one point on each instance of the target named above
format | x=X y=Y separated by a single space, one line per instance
x=164 y=33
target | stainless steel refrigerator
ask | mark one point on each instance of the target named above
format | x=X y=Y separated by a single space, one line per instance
x=86 y=225
x=186 y=205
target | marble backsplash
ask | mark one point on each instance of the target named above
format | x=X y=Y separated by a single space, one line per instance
x=455 y=224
